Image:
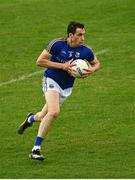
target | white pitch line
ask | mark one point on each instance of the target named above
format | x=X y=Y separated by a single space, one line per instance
x=24 y=77
x=21 y=78
x=102 y=51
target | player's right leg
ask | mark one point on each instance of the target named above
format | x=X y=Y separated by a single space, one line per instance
x=32 y=118
x=40 y=115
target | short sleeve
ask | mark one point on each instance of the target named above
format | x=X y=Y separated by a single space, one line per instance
x=90 y=55
x=53 y=47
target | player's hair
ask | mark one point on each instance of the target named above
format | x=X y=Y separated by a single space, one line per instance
x=72 y=26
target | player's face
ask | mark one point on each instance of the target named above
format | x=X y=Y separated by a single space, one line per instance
x=78 y=37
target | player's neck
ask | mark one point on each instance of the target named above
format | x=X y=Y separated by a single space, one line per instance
x=71 y=43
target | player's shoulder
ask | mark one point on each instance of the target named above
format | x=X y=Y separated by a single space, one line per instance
x=56 y=44
x=90 y=55
x=87 y=47
x=57 y=41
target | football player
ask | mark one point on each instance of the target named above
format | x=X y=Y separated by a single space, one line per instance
x=58 y=79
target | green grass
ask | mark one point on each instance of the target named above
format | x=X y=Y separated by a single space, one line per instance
x=94 y=136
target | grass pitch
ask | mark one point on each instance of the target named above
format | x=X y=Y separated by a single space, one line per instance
x=94 y=137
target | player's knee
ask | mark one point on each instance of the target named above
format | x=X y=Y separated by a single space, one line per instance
x=54 y=113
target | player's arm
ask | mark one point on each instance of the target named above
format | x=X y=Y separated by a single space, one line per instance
x=44 y=61
x=95 y=65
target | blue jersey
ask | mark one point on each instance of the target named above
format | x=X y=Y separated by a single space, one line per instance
x=61 y=52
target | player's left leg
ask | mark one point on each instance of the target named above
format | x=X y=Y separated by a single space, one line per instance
x=53 y=104
x=54 y=100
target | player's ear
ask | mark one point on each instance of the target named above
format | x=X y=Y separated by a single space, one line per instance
x=70 y=35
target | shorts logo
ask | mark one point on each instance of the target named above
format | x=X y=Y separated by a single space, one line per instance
x=51 y=86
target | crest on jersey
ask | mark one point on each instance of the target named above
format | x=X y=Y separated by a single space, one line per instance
x=64 y=52
x=77 y=54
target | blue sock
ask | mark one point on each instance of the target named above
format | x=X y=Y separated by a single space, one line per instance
x=38 y=141
x=31 y=119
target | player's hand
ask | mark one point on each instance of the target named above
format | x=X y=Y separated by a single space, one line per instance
x=67 y=66
x=88 y=71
